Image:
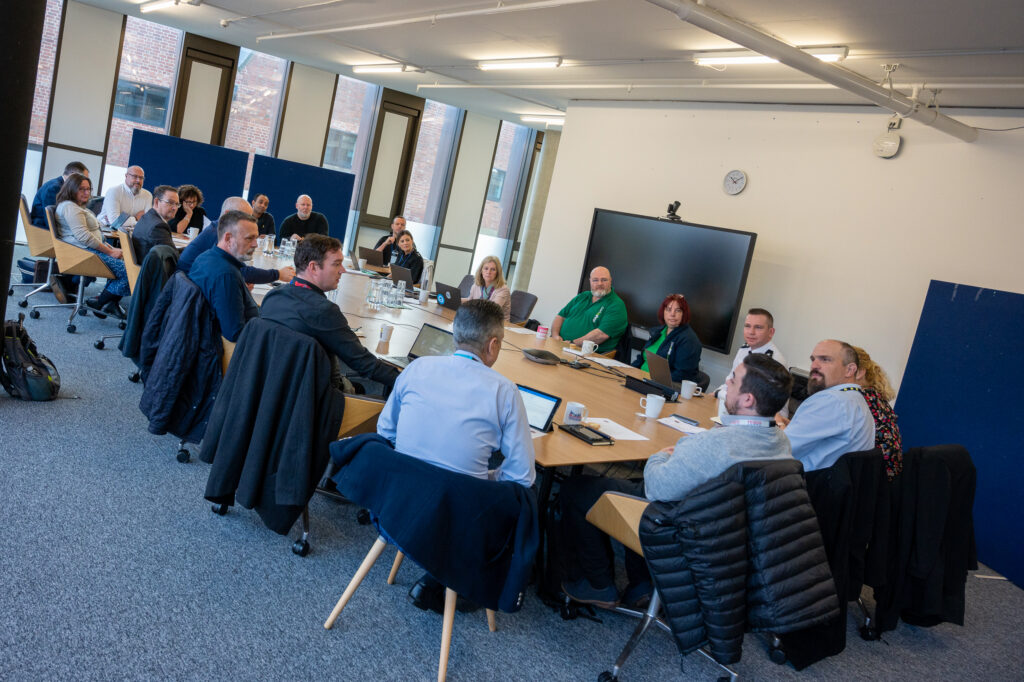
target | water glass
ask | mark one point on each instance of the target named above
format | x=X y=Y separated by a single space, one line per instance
x=399 y=292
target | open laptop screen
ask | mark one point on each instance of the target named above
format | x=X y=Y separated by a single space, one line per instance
x=432 y=341
x=540 y=406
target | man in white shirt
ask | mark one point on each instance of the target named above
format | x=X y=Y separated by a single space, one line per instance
x=128 y=197
x=758 y=331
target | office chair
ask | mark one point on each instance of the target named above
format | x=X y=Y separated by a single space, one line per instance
x=131 y=266
x=40 y=245
x=521 y=306
x=73 y=260
x=465 y=285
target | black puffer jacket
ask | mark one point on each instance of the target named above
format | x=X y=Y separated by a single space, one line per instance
x=742 y=549
x=180 y=361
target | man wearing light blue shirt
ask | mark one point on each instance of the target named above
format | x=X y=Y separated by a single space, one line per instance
x=455 y=411
x=835 y=419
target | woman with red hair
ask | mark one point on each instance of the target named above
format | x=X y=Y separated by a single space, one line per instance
x=674 y=340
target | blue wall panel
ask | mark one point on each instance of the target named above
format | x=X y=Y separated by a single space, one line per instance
x=963 y=375
x=283 y=181
x=168 y=160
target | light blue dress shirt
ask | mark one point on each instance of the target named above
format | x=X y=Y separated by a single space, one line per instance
x=829 y=424
x=454 y=411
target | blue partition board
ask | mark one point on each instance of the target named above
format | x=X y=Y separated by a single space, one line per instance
x=963 y=375
x=283 y=181
x=168 y=160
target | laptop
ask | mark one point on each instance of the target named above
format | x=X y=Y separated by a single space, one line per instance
x=448 y=296
x=661 y=373
x=400 y=274
x=372 y=256
x=430 y=341
x=540 y=407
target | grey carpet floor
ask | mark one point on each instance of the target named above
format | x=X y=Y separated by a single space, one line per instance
x=113 y=567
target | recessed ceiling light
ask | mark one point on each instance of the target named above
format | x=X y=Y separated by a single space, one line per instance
x=157 y=4
x=547 y=120
x=530 y=63
x=825 y=54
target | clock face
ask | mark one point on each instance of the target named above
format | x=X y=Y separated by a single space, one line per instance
x=735 y=181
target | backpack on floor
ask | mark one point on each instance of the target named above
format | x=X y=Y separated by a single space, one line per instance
x=24 y=373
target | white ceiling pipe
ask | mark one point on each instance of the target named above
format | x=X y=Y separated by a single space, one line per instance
x=704 y=83
x=752 y=39
x=482 y=11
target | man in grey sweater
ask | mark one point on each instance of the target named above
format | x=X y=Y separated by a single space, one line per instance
x=755 y=391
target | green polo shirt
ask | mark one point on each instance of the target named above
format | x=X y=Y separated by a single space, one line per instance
x=583 y=315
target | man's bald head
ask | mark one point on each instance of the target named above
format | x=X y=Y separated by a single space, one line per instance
x=600 y=282
x=304 y=206
x=133 y=178
x=235 y=204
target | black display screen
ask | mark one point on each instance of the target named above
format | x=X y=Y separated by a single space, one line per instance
x=651 y=258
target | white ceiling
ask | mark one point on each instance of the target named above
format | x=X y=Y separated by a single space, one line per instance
x=632 y=50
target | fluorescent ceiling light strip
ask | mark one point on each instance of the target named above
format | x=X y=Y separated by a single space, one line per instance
x=157 y=4
x=529 y=63
x=378 y=68
x=550 y=120
x=825 y=54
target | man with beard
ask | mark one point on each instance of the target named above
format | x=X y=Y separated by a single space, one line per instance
x=128 y=197
x=218 y=273
x=304 y=221
x=598 y=315
x=755 y=391
x=835 y=419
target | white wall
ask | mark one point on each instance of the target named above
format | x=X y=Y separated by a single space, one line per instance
x=847 y=242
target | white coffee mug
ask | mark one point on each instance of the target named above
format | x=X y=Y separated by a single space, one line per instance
x=652 y=405
x=588 y=347
x=542 y=332
x=688 y=389
x=192 y=232
x=362 y=263
x=575 y=413
x=385 y=332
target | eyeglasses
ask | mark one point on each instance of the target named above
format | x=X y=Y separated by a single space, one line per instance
x=133 y=175
x=175 y=204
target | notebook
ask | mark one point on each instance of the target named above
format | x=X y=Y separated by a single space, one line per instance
x=430 y=341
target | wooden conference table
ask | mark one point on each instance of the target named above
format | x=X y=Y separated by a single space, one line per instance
x=603 y=393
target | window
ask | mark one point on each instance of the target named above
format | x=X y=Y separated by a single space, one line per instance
x=256 y=102
x=496 y=184
x=341 y=147
x=145 y=88
x=142 y=103
x=44 y=72
x=434 y=148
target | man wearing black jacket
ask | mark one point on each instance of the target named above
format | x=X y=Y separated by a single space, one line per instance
x=301 y=305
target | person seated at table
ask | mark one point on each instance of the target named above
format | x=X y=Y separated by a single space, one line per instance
x=152 y=228
x=489 y=284
x=264 y=220
x=128 y=197
x=207 y=239
x=455 y=412
x=755 y=391
x=302 y=306
x=218 y=273
x=191 y=212
x=835 y=418
x=386 y=244
x=598 y=315
x=408 y=257
x=304 y=221
x=878 y=394
x=46 y=195
x=77 y=225
x=674 y=340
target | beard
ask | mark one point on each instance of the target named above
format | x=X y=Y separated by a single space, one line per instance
x=600 y=293
x=815 y=384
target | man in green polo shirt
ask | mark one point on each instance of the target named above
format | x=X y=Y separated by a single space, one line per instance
x=598 y=315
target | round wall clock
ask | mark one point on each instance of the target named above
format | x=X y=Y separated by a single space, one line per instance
x=735 y=181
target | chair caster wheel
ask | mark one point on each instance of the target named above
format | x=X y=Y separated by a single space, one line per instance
x=301 y=547
x=23 y=303
x=363 y=517
x=34 y=314
x=84 y=312
x=777 y=656
x=134 y=378
x=869 y=633
x=606 y=676
x=10 y=292
x=72 y=328
x=219 y=509
x=122 y=325
x=99 y=345
x=184 y=455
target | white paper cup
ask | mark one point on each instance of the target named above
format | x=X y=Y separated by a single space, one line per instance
x=362 y=263
x=424 y=295
x=652 y=404
x=385 y=332
x=542 y=332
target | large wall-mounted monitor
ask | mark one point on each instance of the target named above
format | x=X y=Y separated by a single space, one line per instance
x=650 y=258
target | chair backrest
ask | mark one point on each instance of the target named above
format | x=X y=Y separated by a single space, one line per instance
x=703 y=380
x=521 y=306
x=360 y=415
x=40 y=244
x=465 y=285
x=95 y=205
x=72 y=259
x=229 y=350
x=131 y=263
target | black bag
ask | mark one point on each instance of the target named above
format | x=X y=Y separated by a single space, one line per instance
x=25 y=374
